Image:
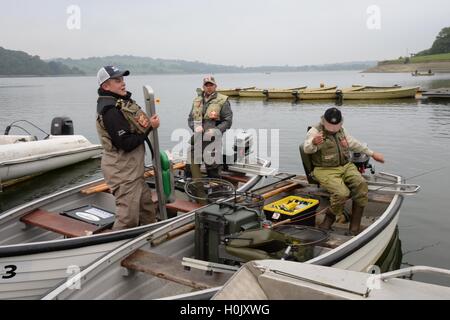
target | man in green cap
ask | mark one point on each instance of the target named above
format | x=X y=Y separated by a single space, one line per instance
x=329 y=145
x=210 y=117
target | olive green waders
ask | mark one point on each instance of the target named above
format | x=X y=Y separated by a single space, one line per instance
x=343 y=182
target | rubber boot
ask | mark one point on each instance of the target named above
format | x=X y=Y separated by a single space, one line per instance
x=355 y=219
x=328 y=221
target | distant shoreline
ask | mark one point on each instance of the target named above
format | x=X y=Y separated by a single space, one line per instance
x=436 y=67
x=42 y=76
x=162 y=74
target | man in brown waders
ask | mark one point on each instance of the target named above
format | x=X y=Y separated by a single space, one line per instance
x=329 y=145
x=123 y=128
x=210 y=117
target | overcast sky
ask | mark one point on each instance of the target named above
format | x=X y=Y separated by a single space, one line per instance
x=232 y=32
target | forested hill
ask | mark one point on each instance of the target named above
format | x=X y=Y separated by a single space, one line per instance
x=19 y=63
x=143 y=65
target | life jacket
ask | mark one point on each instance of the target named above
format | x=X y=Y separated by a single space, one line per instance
x=138 y=119
x=331 y=153
x=214 y=104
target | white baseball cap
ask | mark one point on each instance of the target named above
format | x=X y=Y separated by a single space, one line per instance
x=110 y=72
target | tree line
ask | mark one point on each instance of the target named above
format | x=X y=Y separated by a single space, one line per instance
x=19 y=63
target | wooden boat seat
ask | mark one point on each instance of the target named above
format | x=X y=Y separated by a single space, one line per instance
x=55 y=222
x=171 y=269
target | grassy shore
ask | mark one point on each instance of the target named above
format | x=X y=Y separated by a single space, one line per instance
x=437 y=63
x=418 y=59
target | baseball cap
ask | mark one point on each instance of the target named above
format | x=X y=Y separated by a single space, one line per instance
x=110 y=72
x=332 y=119
x=209 y=79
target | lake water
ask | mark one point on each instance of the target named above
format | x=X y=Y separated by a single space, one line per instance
x=413 y=135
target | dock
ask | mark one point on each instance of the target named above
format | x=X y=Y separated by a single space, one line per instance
x=442 y=93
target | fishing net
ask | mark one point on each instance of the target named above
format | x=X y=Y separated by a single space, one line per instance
x=209 y=189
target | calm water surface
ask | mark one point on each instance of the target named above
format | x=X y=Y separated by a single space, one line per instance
x=413 y=135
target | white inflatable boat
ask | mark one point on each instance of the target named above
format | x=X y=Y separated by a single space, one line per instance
x=24 y=155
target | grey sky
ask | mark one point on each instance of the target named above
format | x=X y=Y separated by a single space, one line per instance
x=233 y=32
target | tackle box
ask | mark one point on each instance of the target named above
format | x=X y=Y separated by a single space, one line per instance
x=300 y=210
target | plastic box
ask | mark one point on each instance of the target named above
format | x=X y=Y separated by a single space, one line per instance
x=300 y=210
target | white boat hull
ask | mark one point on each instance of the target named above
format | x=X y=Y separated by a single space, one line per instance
x=30 y=158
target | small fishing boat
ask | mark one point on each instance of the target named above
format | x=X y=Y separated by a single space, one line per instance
x=376 y=87
x=264 y=93
x=232 y=92
x=288 y=280
x=24 y=156
x=442 y=93
x=369 y=93
x=194 y=256
x=422 y=74
x=327 y=93
x=295 y=94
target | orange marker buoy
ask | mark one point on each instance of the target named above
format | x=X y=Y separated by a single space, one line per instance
x=157 y=100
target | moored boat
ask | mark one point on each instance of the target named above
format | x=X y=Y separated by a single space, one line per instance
x=319 y=94
x=23 y=156
x=295 y=94
x=376 y=87
x=422 y=74
x=270 y=92
x=232 y=92
x=364 y=93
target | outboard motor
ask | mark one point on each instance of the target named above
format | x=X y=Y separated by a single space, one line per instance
x=61 y=126
x=361 y=161
x=240 y=150
x=243 y=146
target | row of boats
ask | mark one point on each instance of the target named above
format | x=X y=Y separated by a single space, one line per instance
x=356 y=92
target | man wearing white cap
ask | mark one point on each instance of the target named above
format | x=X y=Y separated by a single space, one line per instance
x=329 y=145
x=123 y=129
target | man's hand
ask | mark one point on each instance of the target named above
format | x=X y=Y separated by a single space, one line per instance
x=318 y=138
x=198 y=129
x=379 y=157
x=344 y=142
x=154 y=121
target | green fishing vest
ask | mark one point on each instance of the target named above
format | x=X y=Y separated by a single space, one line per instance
x=132 y=113
x=330 y=153
x=213 y=105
